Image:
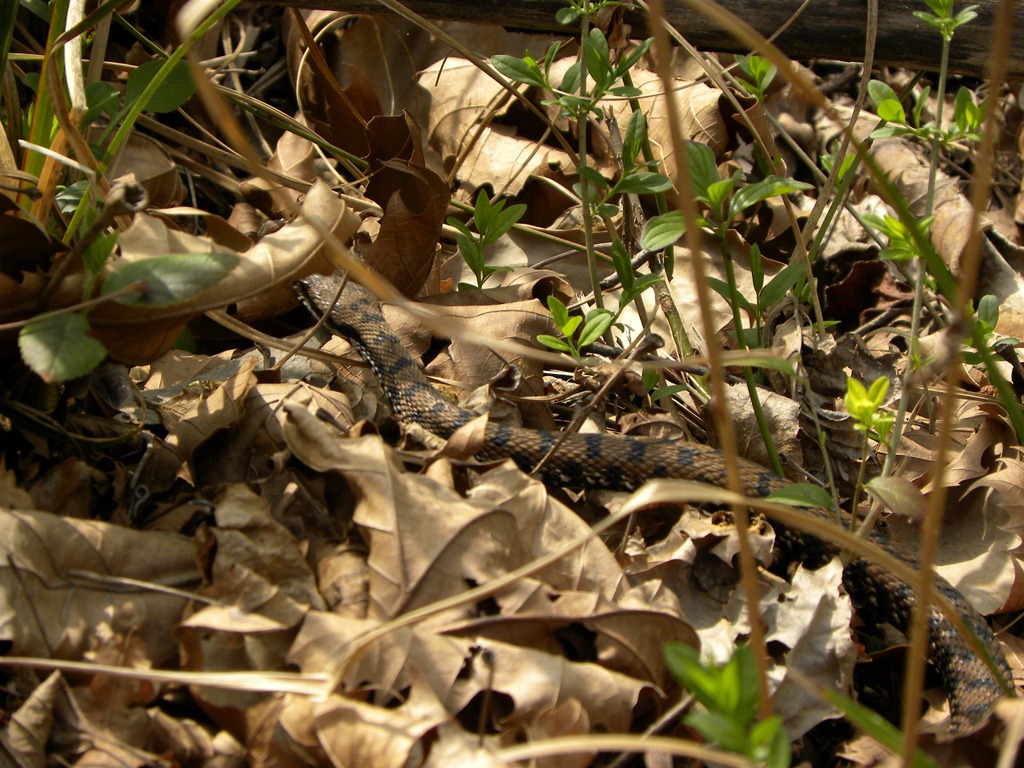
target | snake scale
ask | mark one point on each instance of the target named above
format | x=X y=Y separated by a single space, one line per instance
x=624 y=463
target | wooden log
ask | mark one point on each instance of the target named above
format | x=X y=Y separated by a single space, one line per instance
x=827 y=29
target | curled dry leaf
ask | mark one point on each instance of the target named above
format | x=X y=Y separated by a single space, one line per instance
x=295 y=250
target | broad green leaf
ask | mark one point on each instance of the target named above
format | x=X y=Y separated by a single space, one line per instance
x=662 y=231
x=171 y=279
x=752 y=194
x=558 y=310
x=102 y=99
x=703 y=168
x=643 y=183
x=175 y=90
x=802 y=495
x=879 y=92
x=554 y=343
x=597 y=56
x=891 y=111
x=520 y=70
x=566 y=16
x=597 y=323
x=633 y=139
x=60 y=348
x=780 y=284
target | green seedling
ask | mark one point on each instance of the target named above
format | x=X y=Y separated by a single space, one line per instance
x=729 y=695
x=865 y=406
x=589 y=328
x=492 y=221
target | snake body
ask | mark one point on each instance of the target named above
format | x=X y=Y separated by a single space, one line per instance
x=625 y=463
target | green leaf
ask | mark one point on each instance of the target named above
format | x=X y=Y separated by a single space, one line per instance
x=878 y=391
x=102 y=99
x=642 y=183
x=60 y=348
x=718 y=728
x=175 y=90
x=633 y=139
x=523 y=70
x=752 y=194
x=879 y=92
x=171 y=279
x=988 y=312
x=756 y=269
x=566 y=16
x=593 y=176
x=717 y=193
x=598 y=321
x=570 y=84
x=558 y=310
x=598 y=58
x=571 y=325
x=722 y=289
x=892 y=111
x=780 y=284
x=662 y=231
x=802 y=495
x=626 y=62
x=623 y=266
x=554 y=343
x=967 y=115
x=703 y=168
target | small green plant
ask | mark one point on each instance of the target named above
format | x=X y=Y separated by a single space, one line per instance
x=730 y=696
x=968 y=117
x=604 y=76
x=760 y=73
x=492 y=221
x=723 y=201
x=902 y=240
x=865 y=406
x=943 y=19
x=986 y=317
x=590 y=328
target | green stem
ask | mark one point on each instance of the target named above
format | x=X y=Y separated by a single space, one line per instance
x=748 y=372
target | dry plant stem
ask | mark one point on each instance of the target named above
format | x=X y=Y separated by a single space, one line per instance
x=581 y=130
x=915 y=314
x=831 y=181
x=748 y=568
x=139 y=285
x=969 y=268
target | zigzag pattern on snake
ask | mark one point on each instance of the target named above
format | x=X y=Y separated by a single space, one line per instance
x=624 y=463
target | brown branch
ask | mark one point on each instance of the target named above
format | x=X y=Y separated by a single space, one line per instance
x=829 y=29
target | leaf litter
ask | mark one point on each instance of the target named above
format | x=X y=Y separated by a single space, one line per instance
x=228 y=517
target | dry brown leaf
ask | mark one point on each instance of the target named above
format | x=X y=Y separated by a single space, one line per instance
x=139 y=334
x=200 y=414
x=782 y=415
x=813 y=622
x=25 y=735
x=55 y=571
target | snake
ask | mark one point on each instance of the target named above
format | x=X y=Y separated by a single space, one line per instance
x=622 y=462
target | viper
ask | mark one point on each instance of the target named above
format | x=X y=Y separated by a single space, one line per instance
x=624 y=463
